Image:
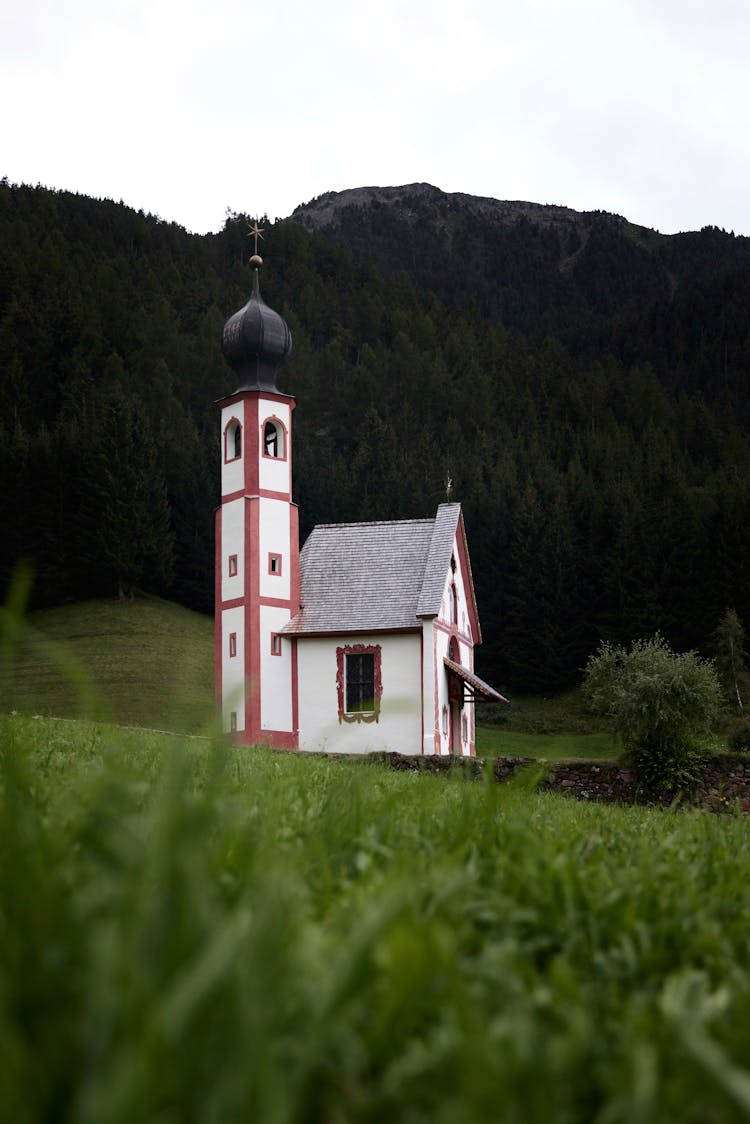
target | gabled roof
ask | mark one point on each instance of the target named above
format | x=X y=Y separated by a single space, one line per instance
x=366 y=577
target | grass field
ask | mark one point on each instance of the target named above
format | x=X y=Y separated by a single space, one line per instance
x=494 y=741
x=145 y=662
x=191 y=932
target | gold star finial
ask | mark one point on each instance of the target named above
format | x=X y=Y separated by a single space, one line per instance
x=255 y=233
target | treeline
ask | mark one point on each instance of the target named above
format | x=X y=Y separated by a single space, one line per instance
x=604 y=497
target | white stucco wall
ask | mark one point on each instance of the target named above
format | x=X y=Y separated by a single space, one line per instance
x=233 y=668
x=400 y=722
x=232 y=472
x=233 y=542
x=274 y=538
x=274 y=475
x=275 y=672
x=440 y=644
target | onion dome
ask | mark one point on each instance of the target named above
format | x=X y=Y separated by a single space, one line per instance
x=256 y=340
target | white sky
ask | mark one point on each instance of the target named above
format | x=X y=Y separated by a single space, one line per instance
x=186 y=108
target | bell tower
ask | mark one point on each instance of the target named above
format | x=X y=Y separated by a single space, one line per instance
x=257 y=533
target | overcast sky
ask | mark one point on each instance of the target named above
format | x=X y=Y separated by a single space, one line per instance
x=188 y=108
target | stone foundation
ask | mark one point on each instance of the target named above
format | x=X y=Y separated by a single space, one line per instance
x=723 y=785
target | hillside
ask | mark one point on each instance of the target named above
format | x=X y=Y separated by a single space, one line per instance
x=141 y=663
x=585 y=397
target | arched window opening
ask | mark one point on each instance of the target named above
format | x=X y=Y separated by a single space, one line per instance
x=233 y=440
x=273 y=440
x=454 y=605
x=453 y=651
x=453 y=563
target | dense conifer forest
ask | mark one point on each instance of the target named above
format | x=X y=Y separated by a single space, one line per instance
x=581 y=387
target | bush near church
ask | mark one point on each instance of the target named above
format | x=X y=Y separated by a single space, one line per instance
x=659 y=703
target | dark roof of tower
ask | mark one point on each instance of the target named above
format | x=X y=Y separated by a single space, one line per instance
x=255 y=341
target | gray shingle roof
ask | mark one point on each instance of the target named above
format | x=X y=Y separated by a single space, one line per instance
x=363 y=577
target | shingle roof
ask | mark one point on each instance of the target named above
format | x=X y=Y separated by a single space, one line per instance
x=363 y=577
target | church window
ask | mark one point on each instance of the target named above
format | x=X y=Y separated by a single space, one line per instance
x=275 y=644
x=454 y=605
x=233 y=441
x=453 y=653
x=274 y=564
x=232 y=644
x=358 y=682
x=453 y=563
x=273 y=440
x=233 y=565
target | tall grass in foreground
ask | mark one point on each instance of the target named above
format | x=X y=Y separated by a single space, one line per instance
x=190 y=932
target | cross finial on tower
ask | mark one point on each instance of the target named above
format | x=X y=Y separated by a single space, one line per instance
x=256 y=232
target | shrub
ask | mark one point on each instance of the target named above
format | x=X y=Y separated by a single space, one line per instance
x=658 y=702
x=739 y=736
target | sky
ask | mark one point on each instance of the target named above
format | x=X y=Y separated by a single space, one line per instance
x=189 y=109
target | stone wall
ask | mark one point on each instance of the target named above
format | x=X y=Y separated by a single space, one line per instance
x=724 y=782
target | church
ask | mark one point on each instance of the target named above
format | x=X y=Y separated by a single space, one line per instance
x=362 y=641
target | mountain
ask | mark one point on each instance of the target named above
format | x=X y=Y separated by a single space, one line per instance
x=581 y=385
x=585 y=277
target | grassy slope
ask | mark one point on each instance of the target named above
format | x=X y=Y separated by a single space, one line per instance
x=192 y=932
x=146 y=662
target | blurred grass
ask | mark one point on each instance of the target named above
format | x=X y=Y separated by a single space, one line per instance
x=150 y=663
x=194 y=932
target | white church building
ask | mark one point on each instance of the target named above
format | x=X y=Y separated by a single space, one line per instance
x=362 y=641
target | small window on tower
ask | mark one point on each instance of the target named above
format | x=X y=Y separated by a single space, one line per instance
x=233 y=441
x=275 y=644
x=274 y=564
x=454 y=605
x=273 y=440
x=233 y=565
x=232 y=644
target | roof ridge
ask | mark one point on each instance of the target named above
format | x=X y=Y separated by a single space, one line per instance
x=376 y=522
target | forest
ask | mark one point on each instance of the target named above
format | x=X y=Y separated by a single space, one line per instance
x=581 y=389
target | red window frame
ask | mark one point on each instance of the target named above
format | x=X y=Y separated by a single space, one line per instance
x=232 y=645
x=271 y=559
x=232 y=565
x=275 y=643
x=358 y=650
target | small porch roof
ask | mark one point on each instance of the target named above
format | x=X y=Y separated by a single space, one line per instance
x=476 y=685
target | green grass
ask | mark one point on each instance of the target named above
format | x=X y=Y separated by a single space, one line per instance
x=496 y=741
x=191 y=932
x=150 y=663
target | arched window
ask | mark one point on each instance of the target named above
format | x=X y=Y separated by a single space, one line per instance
x=273 y=440
x=454 y=605
x=453 y=651
x=233 y=440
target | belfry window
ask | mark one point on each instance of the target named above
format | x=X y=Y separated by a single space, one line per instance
x=273 y=440
x=233 y=441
